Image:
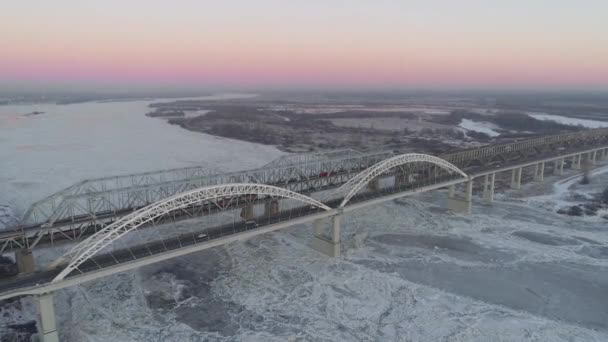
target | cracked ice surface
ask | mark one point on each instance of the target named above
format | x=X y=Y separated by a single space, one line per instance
x=410 y=271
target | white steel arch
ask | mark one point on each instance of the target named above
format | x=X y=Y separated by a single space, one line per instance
x=96 y=242
x=364 y=177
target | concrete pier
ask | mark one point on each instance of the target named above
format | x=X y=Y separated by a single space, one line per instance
x=576 y=162
x=539 y=172
x=271 y=208
x=516 y=178
x=247 y=212
x=459 y=204
x=330 y=245
x=47 y=325
x=374 y=184
x=488 y=187
x=25 y=261
x=558 y=167
x=401 y=180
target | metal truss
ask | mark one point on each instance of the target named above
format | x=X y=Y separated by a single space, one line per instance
x=362 y=179
x=551 y=143
x=46 y=210
x=89 y=247
x=88 y=206
x=295 y=159
x=97 y=200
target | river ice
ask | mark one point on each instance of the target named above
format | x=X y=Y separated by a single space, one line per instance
x=410 y=270
x=44 y=153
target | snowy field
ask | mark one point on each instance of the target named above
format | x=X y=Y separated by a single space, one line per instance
x=569 y=121
x=480 y=126
x=410 y=270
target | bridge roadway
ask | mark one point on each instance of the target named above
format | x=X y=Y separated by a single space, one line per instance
x=148 y=253
x=34 y=236
x=299 y=173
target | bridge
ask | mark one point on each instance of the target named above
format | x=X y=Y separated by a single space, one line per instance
x=121 y=223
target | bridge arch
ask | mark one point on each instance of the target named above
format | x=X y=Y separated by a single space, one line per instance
x=98 y=241
x=356 y=183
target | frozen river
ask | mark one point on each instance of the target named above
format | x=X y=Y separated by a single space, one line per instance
x=410 y=270
x=41 y=154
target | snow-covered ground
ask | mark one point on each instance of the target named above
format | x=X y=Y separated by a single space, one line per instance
x=569 y=121
x=480 y=126
x=410 y=271
x=568 y=191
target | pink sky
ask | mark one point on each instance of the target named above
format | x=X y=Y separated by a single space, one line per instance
x=320 y=43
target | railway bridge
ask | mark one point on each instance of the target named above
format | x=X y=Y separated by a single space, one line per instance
x=116 y=224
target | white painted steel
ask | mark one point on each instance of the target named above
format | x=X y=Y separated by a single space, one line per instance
x=362 y=179
x=98 y=241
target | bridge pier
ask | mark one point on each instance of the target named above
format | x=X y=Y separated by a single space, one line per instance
x=558 y=167
x=247 y=212
x=488 y=187
x=271 y=208
x=516 y=178
x=461 y=205
x=374 y=184
x=401 y=180
x=576 y=162
x=329 y=246
x=47 y=325
x=539 y=172
x=25 y=261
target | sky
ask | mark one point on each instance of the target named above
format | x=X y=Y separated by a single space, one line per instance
x=285 y=44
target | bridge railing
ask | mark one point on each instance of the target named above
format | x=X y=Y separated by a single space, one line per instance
x=99 y=200
x=459 y=158
x=90 y=198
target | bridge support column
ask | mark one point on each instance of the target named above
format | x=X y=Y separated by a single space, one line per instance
x=576 y=162
x=46 y=322
x=462 y=205
x=593 y=157
x=247 y=212
x=271 y=208
x=401 y=180
x=539 y=172
x=516 y=178
x=558 y=167
x=374 y=185
x=327 y=245
x=25 y=261
x=488 y=187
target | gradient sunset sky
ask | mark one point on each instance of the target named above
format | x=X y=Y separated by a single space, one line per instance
x=304 y=44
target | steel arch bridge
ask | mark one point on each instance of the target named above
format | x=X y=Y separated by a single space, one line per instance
x=356 y=183
x=89 y=247
x=106 y=236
